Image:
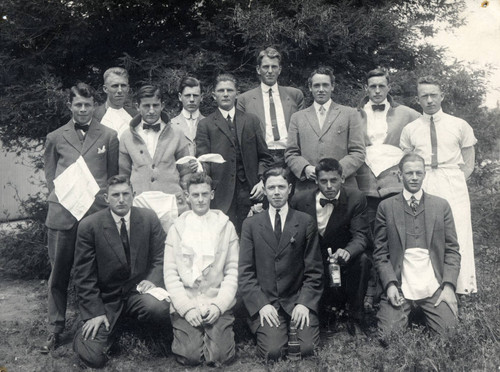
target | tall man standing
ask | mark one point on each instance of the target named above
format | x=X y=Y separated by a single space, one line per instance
x=114 y=113
x=324 y=130
x=416 y=255
x=447 y=145
x=280 y=272
x=81 y=136
x=236 y=136
x=273 y=104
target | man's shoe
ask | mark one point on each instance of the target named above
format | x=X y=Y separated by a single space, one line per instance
x=52 y=343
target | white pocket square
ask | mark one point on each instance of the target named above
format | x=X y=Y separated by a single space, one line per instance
x=101 y=150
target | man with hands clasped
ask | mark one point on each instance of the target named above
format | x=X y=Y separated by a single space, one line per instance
x=416 y=255
x=280 y=271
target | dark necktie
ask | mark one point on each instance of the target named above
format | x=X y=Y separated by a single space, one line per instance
x=82 y=127
x=274 y=120
x=323 y=202
x=277 y=225
x=434 y=144
x=124 y=238
x=155 y=127
x=413 y=204
x=380 y=107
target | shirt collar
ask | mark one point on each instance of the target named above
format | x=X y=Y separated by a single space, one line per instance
x=265 y=88
x=384 y=102
x=158 y=122
x=225 y=113
x=118 y=218
x=326 y=105
x=283 y=210
x=436 y=116
x=88 y=123
x=418 y=195
x=188 y=114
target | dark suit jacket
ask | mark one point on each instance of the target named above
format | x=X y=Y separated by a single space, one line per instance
x=100 y=111
x=62 y=149
x=347 y=227
x=341 y=138
x=284 y=273
x=390 y=239
x=292 y=100
x=213 y=136
x=101 y=274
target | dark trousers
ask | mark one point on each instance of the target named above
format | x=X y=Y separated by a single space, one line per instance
x=354 y=277
x=61 y=250
x=272 y=342
x=240 y=204
x=143 y=307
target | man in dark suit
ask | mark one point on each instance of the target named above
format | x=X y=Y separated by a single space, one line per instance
x=343 y=226
x=280 y=272
x=118 y=258
x=273 y=104
x=84 y=137
x=236 y=136
x=325 y=129
x=416 y=255
x=116 y=112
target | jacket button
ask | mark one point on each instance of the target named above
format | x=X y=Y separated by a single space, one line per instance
x=142 y=152
x=152 y=179
x=153 y=166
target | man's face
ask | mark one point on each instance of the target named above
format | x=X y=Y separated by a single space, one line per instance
x=190 y=98
x=413 y=175
x=199 y=196
x=277 y=190
x=430 y=98
x=116 y=88
x=150 y=109
x=119 y=197
x=377 y=89
x=269 y=70
x=321 y=88
x=225 y=94
x=329 y=183
x=82 y=109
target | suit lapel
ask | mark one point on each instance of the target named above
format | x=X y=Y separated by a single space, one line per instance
x=399 y=218
x=112 y=236
x=221 y=123
x=290 y=229
x=239 y=122
x=331 y=116
x=135 y=237
x=266 y=231
x=430 y=220
x=312 y=119
x=337 y=215
x=71 y=136
x=258 y=100
x=286 y=104
x=92 y=135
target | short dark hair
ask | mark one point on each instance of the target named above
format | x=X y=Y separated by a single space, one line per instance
x=198 y=179
x=225 y=77
x=276 y=170
x=270 y=53
x=410 y=156
x=429 y=79
x=329 y=165
x=188 y=81
x=82 y=90
x=118 y=180
x=379 y=71
x=323 y=70
x=148 y=91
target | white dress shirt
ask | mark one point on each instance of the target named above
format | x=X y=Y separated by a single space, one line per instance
x=280 y=118
x=150 y=137
x=317 y=108
x=376 y=127
x=407 y=195
x=323 y=213
x=283 y=214
x=230 y=112
x=191 y=119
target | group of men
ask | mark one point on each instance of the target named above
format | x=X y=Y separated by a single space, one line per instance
x=355 y=199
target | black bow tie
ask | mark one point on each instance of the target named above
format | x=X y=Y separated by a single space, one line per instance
x=155 y=127
x=324 y=202
x=84 y=127
x=378 y=107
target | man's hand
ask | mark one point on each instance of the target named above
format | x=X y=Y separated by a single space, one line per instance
x=193 y=165
x=257 y=192
x=270 y=314
x=91 y=326
x=300 y=315
x=193 y=317
x=341 y=255
x=448 y=295
x=212 y=315
x=310 y=172
x=144 y=286
x=393 y=295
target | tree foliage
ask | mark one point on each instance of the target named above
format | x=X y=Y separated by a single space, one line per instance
x=48 y=45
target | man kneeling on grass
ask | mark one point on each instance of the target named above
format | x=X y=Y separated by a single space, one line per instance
x=201 y=276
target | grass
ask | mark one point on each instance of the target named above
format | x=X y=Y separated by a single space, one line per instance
x=474 y=347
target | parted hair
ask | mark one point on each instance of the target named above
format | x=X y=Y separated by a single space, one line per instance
x=188 y=81
x=197 y=179
x=118 y=180
x=379 y=71
x=225 y=77
x=429 y=79
x=270 y=53
x=322 y=70
x=276 y=170
x=329 y=165
x=120 y=71
x=410 y=156
x=82 y=90
x=148 y=91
